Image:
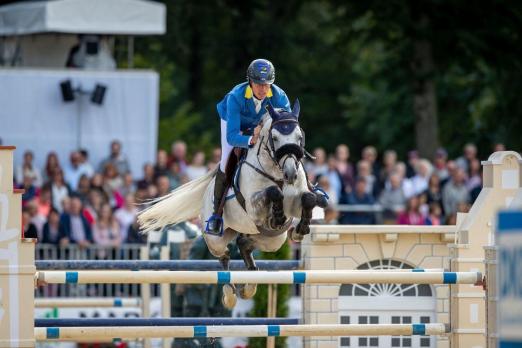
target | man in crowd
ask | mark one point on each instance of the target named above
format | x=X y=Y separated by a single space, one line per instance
x=74 y=227
x=392 y=198
x=74 y=170
x=359 y=196
x=455 y=192
x=117 y=158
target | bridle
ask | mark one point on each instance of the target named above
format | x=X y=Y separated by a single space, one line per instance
x=293 y=151
x=289 y=150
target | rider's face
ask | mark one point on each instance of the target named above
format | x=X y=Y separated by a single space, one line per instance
x=260 y=90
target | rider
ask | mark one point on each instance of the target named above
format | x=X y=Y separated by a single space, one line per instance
x=240 y=111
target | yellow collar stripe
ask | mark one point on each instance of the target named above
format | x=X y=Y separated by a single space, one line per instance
x=249 y=93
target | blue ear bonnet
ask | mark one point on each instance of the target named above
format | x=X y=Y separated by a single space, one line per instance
x=286 y=123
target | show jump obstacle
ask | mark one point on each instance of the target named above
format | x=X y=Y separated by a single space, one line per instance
x=325 y=262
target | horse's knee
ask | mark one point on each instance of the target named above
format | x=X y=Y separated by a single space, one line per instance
x=308 y=200
x=322 y=201
x=274 y=194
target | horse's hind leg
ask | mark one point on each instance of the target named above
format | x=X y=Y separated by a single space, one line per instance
x=229 y=298
x=218 y=246
x=246 y=247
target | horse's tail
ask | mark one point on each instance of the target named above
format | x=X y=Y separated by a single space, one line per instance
x=182 y=204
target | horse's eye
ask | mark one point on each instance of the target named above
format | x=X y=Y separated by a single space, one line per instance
x=275 y=138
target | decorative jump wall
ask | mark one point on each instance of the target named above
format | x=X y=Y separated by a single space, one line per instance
x=456 y=248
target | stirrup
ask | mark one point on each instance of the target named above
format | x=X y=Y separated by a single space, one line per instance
x=212 y=218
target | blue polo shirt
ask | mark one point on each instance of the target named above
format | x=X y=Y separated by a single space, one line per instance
x=238 y=110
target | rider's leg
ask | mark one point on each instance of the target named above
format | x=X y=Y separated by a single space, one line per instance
x=215 y=223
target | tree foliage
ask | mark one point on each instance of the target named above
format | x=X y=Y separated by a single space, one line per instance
x=350 y=64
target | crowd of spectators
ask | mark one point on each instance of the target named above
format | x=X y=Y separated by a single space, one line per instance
x=83 y=203
x=417 y=191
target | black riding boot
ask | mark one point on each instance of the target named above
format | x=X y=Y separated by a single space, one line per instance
x=215 y=222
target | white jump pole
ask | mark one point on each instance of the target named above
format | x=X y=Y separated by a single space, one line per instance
x=259 y=277
x=86 y=302
x=107 y=333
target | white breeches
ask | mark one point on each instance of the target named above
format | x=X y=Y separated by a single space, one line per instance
x=226 y=148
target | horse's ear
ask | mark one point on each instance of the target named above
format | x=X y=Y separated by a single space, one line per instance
x=271 y=111
x=296 y=108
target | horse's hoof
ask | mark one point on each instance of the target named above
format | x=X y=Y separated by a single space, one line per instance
x=247 y=291
x=302 y=229
x=229 y=298
x=294 y=236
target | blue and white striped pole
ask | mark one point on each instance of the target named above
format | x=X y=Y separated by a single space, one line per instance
x=259 y=277
x=110 y=333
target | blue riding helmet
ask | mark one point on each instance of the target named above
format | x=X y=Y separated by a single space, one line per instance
x=261 y=71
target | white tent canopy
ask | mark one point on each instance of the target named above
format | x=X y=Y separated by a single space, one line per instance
x=109 y=17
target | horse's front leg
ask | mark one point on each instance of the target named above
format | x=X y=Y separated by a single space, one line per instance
x=308 y=203
x=275 y=196
x=267 y=207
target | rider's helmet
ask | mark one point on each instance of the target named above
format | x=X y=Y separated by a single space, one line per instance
x=261 y=71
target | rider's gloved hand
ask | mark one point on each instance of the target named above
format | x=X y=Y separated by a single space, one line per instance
x=255 y=135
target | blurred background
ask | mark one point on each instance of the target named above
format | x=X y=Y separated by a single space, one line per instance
x=110 y=103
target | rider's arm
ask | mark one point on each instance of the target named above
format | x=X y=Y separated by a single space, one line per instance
x=234 y=136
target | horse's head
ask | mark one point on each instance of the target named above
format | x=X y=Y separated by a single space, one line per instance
x=285 y=140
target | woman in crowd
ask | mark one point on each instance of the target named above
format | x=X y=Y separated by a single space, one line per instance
x=344 y=166
x=51 y=164
x=29 y=228
x=412 y=215
x=434 y=192
x=389 y=161
x=106 y=230
x=95 y=200
x=474 y=175
x=128 y=185
x=162 y=164
x=319 y=166
x=112 y=183
x=84 y=186
x=196 y=168
x=27 y=169
x=126 y=215
x=423 y=170
x=44 y=201
x=435 y=214
x=51 y=229
x=59 y=190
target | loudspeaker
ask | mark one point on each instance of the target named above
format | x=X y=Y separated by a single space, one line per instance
x=67 y=91
x=98 y=94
